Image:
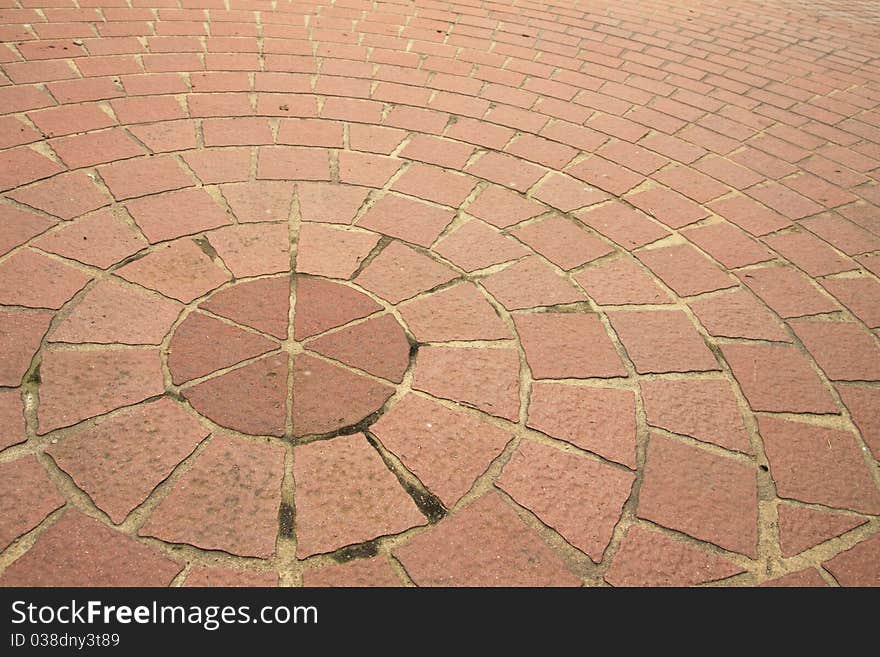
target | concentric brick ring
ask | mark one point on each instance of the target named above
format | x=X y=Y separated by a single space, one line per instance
x=631 y=259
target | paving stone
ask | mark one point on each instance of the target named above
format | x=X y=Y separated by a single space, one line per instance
x=251 y=399
x=487 y=379
x=787 y=292
x=530 y=283
x=538 y=476
x=818 y=465
x=216 y=166
x=727 y=244
x=367 y=169
x=660 y=341
x=434 y=184
x=383 y=276
x=777 y=378
x=332 y=252
x=81 y=384
x=621 y=281
x=253 y=249
x=119 y=461
x=27 y=497
x=809 y=577
x=809 y=253
x=202 y=344
x=483 y=544
x=20 y=335
x=407 y=219
x=329 y=203
x=292 y=163
x=140 y=177
x=567 y=345
x=327 y=398
x=843 y=350
x=17 y=226
x=647 y=558
x=705 y=409
x=712 y=498
x=378 y=346
x=101 y=239
x=114 y=313
x=475 y=245
x=227 y=501
x=345 y=496
x=459 y=312
x=446 y=449
x=259 y=200
x=685 y=270
x=51 y=283
x=566 y=193
x=262 y=304
x=749 y=215
x=322 y=305
x=173 y=214
x=860 y=295
x=623 y=225
x=561 y=241
x=862 y=406
x=180 y=270
x=738 y=314
x=66 y=196
x=668 y=207
x=375 y=572
x=857 y=566
x=502 y=207
x=12 y=424
x=213 y=577
x=801 y=528
x=79 y=551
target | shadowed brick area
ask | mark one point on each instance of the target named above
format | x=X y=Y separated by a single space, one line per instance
x=362 y=293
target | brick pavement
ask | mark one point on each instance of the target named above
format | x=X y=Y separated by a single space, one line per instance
x=439 y=293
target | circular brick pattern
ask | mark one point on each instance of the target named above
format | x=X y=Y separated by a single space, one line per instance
x=339 y=362
x=289 y=281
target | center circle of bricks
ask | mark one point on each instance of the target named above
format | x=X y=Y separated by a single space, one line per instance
x=243 y=360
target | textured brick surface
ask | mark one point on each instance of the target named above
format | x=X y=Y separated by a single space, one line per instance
x=444 y=236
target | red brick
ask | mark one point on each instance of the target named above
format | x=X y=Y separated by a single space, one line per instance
x=605 y=175
x=668 y=207
x=21 y=333
x=224 y=165
x=685 y=269
x=330 y=203
x=322 y=305
x=691 y=183
x=502 y=207
x=434 y=150
x=777 y=378
x=860 y=295
x=858 y=565
x=250 y=399
x=561 y=241
x=374 y=138
x=506 y=171
x=382 y=275
x=843 y=234
x=647 y=558
x=446 y=449
x=20 y=166
x=727 y=244
x=144 y=176
x=531 y=283
x=785 y=201
x=243 y=131
x=310 y=132
x=68 y=119
x=173 y=214
x=95 y=148
x=180 y=270
x=487 y=379
x=334 y=508
x=738 y=314
x=28 y=497
x=862 y=404
x=567 y=345
x=660 y=341
x=843 y=350
x=166 y=136
x=79 y=551
x=801 y=528
x=259 y=200
x=51 y=284
x=375 y=572
x=620 y=281
x=11 y=418
x=459 y=312
x=366 y=168
x=262 y=304
x=82 y=384
x=101 y=239
x=18 y=226
x=292 y=163
x=623 y=225
x=15 y=133
x=818 y=465
x=474 y=245
x=332 y=252
x=712 y=498
x=566 y=194
x=66 y=196
x=435 y=184
x=748 y=215
x=147 y=109
x=538 y=476
x=408 y=219
x=786 y=291
x=83 y=454
x=483 y=544
x=227 y=501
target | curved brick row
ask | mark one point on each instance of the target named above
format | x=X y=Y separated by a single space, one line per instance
x=496 y=293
